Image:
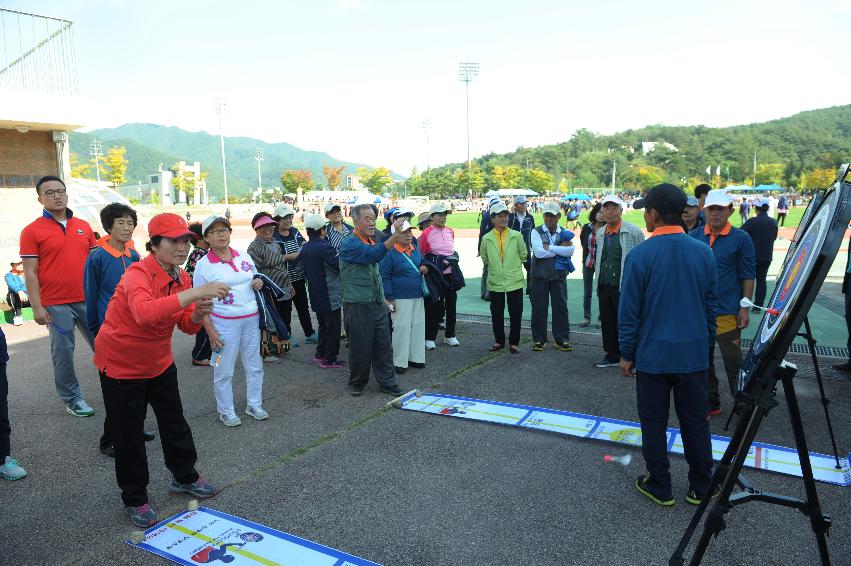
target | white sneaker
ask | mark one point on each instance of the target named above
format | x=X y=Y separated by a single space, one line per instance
x=272 y=360
x=259 y=413
x=230 y=420
x=430 y=345
x=12 y=470
x=452 y=341
x=18 y=320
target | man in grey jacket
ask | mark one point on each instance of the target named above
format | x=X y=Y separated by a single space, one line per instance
x=614 y=242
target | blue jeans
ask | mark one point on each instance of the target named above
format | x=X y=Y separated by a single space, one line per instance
x=63 y=320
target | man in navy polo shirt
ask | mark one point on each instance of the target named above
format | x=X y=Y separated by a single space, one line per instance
x=666 y=325
x=735 y=267
x=763 y=231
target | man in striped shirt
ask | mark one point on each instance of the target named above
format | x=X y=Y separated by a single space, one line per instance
x=337 y=229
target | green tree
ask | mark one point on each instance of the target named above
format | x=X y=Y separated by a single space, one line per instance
x=818 y=178
x=472 y=179
x=507 y=177
x=538 y=180
x=115 y=165
x=374 y=179
x=80 y=170
x=769 y=173
x=332 y=175
x=292 y=179
x=650 y=176
x=184 y=180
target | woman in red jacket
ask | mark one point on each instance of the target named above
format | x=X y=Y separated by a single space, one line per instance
x=133 y=356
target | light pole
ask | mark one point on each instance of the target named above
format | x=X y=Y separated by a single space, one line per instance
x=467 y=72
x=220 y=106
x=427 y=132
x=258 y=156
x=96 y=151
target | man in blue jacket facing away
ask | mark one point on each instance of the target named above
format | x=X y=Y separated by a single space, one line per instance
x=666 y=323
x=322 y=270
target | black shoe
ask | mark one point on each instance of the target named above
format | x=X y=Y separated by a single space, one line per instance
x=390 y=389
x=355 y=390
x=641 y=486
x=108 y=451
x=566 y=347
x=148 y=436
x=538 y=347
x=417 y=365
x=399 y=371
x=843 y=367
x=695 y=499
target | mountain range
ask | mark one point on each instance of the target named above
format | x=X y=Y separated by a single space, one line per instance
x=150 y=145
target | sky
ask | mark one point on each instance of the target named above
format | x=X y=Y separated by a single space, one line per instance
x=358 y=78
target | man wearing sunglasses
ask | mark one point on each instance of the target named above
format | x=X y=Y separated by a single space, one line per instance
x=54 y=249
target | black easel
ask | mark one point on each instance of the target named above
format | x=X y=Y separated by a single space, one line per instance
x=755 y=406
x=807 y=334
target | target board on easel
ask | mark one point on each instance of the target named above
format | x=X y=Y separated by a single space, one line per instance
x=811 y=253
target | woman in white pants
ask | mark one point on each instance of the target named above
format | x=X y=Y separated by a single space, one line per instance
x=402 y=278
x=232 y=326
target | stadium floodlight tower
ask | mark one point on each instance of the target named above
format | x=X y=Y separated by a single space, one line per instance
x=258 y=156
x=467 y=72
x=220 y=104
x=96 y=151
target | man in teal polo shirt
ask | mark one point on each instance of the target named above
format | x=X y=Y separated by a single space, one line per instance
x=736 y=268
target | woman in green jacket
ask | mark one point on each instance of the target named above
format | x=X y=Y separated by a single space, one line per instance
x=503 y=253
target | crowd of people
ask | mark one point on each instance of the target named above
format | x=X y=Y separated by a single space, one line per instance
x=389 y=293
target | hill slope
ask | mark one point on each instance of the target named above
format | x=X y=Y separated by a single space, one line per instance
x=149 y=145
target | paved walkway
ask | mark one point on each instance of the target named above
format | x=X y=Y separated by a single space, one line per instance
x=397 y=487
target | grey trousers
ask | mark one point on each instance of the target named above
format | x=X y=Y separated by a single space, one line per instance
x=543 y=292
x=485 y=294
x=63 y=320
x=588 y=288
x=369 y=344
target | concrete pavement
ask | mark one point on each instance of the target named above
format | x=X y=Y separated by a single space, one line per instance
x=393 y=486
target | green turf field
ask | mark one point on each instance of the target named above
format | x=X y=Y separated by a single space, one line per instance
x=471 y=219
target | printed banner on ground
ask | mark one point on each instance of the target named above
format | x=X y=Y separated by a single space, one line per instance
x=761 y=456
x=207 y=536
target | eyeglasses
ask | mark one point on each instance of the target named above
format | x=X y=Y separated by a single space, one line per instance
x=219 y=232
x=54 y=193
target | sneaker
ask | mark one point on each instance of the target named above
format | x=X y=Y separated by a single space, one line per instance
x=604 y=363
x=272 y=359
x=312 y=339
x=230 y=420
x=417 y=365
x=441 y=326
x=538 y=347
x=335 y=364
x=586 y=323
x=18 y=320
x=142 y=516
x=451 y=341
x=199 y=488
x=293 y=342
x=355 y=390
x=79 y=408
x=695 y=499
x=565 y=346
x=390 y=389
x=259 y=413
x=641 y=486
x=843 y=367
x=430 y=345
x=399 y=370
x=12 y=470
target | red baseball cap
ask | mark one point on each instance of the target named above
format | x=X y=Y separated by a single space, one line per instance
x=169 y=225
